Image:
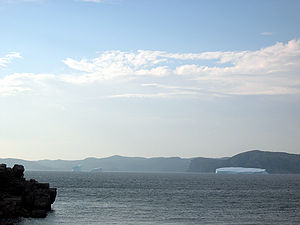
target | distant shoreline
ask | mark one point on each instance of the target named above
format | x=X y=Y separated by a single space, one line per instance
x=273 y=162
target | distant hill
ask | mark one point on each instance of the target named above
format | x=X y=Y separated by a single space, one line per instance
x=31 y=165
x=273 y=162
x=113 y=163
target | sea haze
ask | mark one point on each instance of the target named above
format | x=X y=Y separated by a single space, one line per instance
x=171 y=198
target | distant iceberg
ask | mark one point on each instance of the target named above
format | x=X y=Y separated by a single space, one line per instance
x=240 y=170
x=77 y=168
x=96 y=170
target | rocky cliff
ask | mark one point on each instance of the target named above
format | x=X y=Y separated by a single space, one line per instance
x=23 y=198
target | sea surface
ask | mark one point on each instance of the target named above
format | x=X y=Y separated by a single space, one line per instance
x=170 y=198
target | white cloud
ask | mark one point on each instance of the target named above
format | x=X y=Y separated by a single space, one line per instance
x=274 y=59
x=138 y=95
x=272 y=70
x=23 y=82
x=278 y=58
x=8 y=58
x=154 y=95
x=170 y=87
x=150 y=85
x=112 y=64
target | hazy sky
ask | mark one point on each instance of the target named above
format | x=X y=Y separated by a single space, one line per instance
x=81 y=78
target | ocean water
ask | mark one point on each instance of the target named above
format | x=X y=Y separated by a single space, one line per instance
x=170 y=198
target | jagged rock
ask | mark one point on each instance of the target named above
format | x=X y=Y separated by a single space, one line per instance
x=22 y=198
x=38 y=213
x=18 y=171
x=6 y=223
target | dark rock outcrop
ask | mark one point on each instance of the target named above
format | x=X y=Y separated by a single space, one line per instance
x=23 y=198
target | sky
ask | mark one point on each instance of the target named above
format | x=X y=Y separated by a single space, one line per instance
x=95 y=78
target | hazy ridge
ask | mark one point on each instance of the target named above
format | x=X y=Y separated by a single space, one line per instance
x=273 y=162
x=113 y=163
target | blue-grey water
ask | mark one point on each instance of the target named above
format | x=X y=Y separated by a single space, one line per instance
x=174 y=198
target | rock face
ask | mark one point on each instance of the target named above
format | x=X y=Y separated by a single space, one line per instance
x=23 y=198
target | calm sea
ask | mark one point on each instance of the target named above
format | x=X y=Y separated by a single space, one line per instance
x=171 y=198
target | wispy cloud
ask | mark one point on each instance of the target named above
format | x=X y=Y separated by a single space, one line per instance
x=266 y=33
x=154 y=95
x=273 y=70
x=111 y=64
x=270 y=70
x=21 y=1
x=23 y=82
x=93 y=1
x=270 y=60
x=8 y=58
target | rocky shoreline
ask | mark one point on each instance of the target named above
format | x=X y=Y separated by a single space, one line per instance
x=23 y=198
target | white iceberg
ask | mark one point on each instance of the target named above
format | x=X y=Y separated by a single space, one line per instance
x=240 y=170
x=96 y=170
x=77 y=168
